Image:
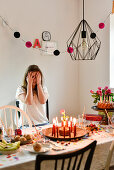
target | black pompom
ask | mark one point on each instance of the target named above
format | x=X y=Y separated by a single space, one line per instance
x=16 y=34
x=93 y=35
x=56 y=52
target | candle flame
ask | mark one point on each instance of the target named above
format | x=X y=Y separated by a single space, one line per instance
x=74 y=121
x=61 y=118
x=69 y=123
x=54 y=121
x=70 y=118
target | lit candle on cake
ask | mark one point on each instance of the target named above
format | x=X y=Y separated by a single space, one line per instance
x=74 y=122
x=62 y=121
x=66 y=122
x=53 y=129
x=69 y=129
x=64 y=129
x=71 y=123
x=57 y=129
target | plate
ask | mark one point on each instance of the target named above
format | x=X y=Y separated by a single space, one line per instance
x=58 y=148
x=43 y=149
x=9 y=152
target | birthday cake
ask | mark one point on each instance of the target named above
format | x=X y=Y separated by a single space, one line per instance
x=105 y=105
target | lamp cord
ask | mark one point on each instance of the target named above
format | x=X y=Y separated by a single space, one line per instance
x=83 y=15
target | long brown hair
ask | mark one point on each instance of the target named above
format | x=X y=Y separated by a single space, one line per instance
x=31 y=68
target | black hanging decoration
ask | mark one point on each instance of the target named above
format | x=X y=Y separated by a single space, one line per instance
x=16 y=34
x=56 y=52
x=84 y=42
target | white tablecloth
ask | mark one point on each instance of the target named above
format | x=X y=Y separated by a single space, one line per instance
x=25 y=160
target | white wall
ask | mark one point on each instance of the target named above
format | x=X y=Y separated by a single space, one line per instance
x=31 y=18
x=68 y=85
x=95 y=73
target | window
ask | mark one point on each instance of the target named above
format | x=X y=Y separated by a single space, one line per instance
x=112 y=51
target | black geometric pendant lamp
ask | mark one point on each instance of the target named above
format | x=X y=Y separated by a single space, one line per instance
x=83 y=44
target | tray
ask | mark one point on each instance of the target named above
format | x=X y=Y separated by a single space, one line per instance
x=79 y=134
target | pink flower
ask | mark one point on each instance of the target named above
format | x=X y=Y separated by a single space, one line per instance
x=106 y=87
x=109 y=91
x=99 y=92
x=91 y=91
x=99 y=88
x=106 y=92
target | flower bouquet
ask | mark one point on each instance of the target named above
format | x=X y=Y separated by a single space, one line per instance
x=103 y=97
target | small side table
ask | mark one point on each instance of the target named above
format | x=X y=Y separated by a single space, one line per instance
x=105 y=120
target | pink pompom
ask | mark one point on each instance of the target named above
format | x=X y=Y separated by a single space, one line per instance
x=70 y=50
x=101 y=25
x=28 y=44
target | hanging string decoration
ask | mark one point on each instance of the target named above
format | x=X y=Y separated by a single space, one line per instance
x=83 y=43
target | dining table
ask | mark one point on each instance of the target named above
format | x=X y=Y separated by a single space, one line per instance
x=24 y=159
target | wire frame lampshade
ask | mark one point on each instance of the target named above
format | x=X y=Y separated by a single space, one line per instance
x=83 y=42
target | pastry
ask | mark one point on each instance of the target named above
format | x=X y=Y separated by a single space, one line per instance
x=37 y=146
x=23 y=139
x=17 y=138
x=28 y=137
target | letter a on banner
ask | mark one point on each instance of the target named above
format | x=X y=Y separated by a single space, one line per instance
x=37 y=44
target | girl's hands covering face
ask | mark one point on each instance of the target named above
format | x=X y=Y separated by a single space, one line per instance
x=38 y=77
x=30 y=78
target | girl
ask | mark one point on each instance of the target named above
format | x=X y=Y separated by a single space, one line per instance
x=33 y=95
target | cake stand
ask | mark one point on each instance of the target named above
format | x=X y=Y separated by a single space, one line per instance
x=105 y=120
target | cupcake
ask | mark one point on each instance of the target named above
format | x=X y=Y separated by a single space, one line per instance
x=37 y=146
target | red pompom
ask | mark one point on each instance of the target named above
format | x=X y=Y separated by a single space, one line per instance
x=70 y=50
x=28 y=44
x=101 y=25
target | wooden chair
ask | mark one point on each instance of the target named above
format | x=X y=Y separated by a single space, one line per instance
x=111 y=149
x=69 y=155
x=47 y=109
x=7 y=113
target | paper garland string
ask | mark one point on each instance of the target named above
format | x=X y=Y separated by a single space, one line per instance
x=28 y=44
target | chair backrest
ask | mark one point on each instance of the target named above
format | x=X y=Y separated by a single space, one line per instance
x=8 y=112
x=47 y=108
x=69 y=155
